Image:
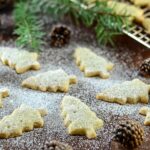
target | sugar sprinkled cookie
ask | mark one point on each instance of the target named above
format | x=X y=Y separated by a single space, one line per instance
x=146 y=112
x=146 y=24
x=23 y=119
x=3 y=93
x=78 y=117
x=141 y=2
x=92 y=64
x=127 y=92
x=125 y=9
x=20 y=60
x=57 y=80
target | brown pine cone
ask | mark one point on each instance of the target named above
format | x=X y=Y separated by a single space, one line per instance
x=145 y=68
x=56 y=145
x=129 y=133
x=59 y=36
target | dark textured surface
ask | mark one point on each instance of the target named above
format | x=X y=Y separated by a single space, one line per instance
x=126 y=56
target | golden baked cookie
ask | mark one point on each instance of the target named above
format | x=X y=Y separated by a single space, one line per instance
x=146 y=112
x=141 y=2
x=78 y=117
x=53 y=81
x=3 y=93
x=20 y=60
x=146 y=24
x=122 y=8
x=127 y=92
x=92 y=64
x=23 y=119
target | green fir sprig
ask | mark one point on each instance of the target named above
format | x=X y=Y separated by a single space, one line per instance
x=98 y=16
x=105 y=22
x=28 y=26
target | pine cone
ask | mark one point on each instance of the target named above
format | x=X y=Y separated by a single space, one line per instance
x=145 y=68
x=129 y=133
x=56 y=145
x=59 y=36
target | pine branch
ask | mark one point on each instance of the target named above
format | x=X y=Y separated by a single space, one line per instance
x=28 y=28
x=98 y=16
x=107 y=24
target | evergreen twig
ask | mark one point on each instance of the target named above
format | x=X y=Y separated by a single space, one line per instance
x=98 y=16
x=28 y=27
x=107 y=24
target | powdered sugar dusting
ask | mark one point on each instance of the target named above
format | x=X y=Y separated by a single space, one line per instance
x=85 y=89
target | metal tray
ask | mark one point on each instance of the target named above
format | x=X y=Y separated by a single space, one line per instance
x=138 y=33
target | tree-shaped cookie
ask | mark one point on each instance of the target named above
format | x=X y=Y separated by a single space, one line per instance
x=127 y=92
x=23 y=119
x=20 y=60
x=121 y=8
x=146 y=24
x=78 y=117
x=146 y=112
x=3 y=93
x=92 y=64
x=57 y=80
x=141 y=2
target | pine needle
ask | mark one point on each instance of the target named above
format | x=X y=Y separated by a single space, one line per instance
x=97 y=16
x=28 y=28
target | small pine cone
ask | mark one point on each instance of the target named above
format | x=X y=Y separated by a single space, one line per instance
x=145 y=68
x=60 y=36
x=56 y=145
x=129 y=133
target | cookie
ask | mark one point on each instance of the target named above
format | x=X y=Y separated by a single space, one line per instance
x=3 y=93
x=23 y=119
x=78 y=118
x=146 y=24
x=92 y=64
x=141 y=2
x=127 y=92
x=57 y=80
x=20 y=60
x=146 y=112
x=122 y=8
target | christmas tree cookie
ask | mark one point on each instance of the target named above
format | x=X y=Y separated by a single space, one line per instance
x=3 y=93
x=121 y=8
x=57 y=80
x=146 y=112
x=78 y=117
x=127 y=92
x=141 y=2
x=23 y=119
x=92 y=64
x=146 y=24
x=20 y=60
